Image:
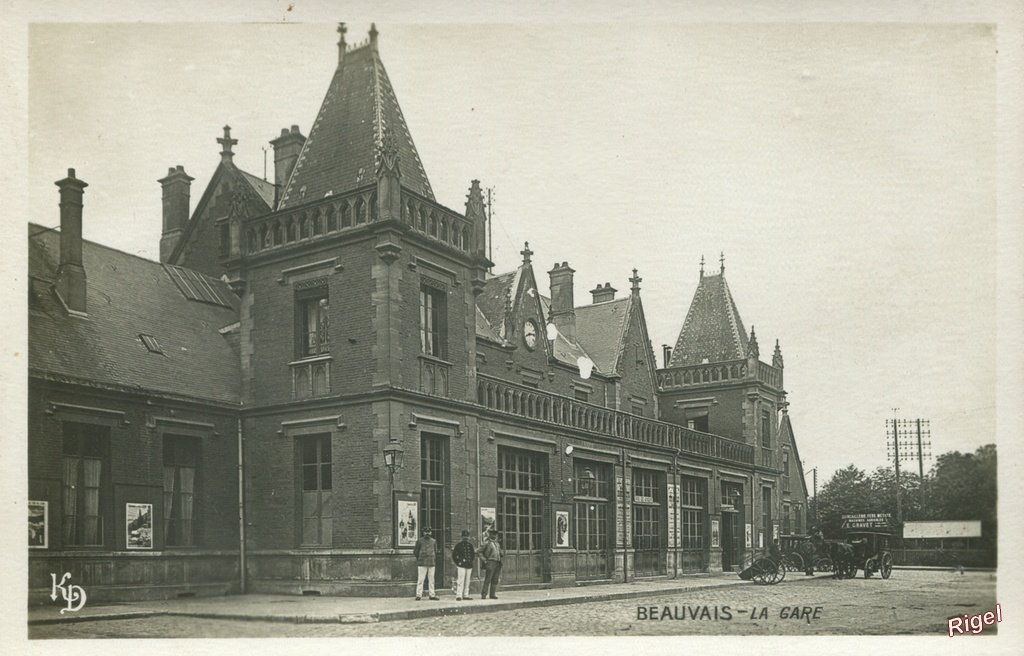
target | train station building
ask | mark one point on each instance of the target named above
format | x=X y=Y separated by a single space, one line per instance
x=322 y=365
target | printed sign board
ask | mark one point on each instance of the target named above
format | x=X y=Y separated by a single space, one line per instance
x=867 y=521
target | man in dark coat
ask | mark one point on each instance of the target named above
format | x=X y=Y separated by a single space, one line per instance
x=463 y=554
x=426 y=561
x=491 y=555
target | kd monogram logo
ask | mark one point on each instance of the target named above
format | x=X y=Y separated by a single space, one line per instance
x=74 y=595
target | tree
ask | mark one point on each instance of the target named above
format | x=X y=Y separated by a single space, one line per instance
x=963 y=486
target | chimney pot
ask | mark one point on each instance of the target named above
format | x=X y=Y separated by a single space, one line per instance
x=176 y=191
x=286 y=153
x=563 y=312
x=603 y=294
x=71 y=273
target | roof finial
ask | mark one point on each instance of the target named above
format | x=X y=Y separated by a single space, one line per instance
x=702 y=265
x=341 y=42
x=777 y=356
x=721 y=262
x=526 y=252
x=373 y=35
x=636 y=280
x=752 y=349
x=226 y=142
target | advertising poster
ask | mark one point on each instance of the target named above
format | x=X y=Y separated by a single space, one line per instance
x=139 y=525
x=562 y=529
x=407 y=523
x=749 y=534
x=714 y=533
x=38 y=536
x=488 y=518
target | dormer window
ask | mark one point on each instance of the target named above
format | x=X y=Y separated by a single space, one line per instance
x=151 y=344
x=312 y=306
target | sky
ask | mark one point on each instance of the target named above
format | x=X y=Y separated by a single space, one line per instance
x=848 y=172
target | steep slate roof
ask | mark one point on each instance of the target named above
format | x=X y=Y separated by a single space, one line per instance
x=713 y=328
x=601 y=329
x=341 y=152
x=128 y=296
x=262 y=187
x=491 y=301
x=564 y=350
x=484 y=328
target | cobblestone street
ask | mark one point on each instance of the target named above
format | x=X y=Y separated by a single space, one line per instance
x=911 y=602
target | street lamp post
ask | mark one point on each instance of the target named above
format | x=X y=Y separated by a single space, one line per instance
x=394 y=456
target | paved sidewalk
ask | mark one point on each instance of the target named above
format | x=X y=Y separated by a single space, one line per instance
x=297 y=609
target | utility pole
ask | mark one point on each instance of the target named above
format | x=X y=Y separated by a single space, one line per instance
x=490 y=221
x=815 y=472
x=896 y=459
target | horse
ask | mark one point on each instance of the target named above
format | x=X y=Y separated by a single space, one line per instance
x=844 y=562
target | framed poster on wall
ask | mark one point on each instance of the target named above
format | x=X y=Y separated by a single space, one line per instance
x=561 y=529
x=714 y=533
x=407 y=512
x=749 y=536
x=488 y=518
x=38 y=528
x=775 y=531
x=138 y=525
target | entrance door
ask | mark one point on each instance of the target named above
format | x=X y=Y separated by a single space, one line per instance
x=594 y=556
x=434 y=497
x=521 y=476
x=733 y=529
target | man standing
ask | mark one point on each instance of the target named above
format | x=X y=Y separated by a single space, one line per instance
x=426 y=554
x=491 y=555
x=463 y=554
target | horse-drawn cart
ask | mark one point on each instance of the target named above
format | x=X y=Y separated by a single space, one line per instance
x=871 y=552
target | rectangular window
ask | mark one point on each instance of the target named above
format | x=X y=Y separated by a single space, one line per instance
x=433 y=322
x=766 y=429
x=317 y=482
x=698 y=424
x=592 y=508
x=693 y=499
x=798 y=519
x=787 y=518
x=181 y=463
x=785 y=471
x=766 y=514
x=84 y=483
x=581 y=394
x=225 y=239
x=433 y=475
x=648 y=538
x=312 y=310
x=637 y=409
x=520 y=499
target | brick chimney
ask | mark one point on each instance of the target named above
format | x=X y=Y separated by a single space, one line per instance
x=286 y=153
x=176 y=188
x=666 y=354
x=602 y=294
x=71 y=273
x=563 y=312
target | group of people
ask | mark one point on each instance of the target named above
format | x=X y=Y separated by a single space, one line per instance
x=464 y=555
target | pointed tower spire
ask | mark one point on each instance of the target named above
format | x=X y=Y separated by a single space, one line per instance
x=702 y=265
x=389 y=178
x=526 y=253
x=635 y=282
x=477 y=215
x=777 y=356
x=721 y=263
x=226 y=143
x=373 y=35
x=341 y=43
x=508 y=322
x=752 y=350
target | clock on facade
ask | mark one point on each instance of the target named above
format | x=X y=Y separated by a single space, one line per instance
x=530 y=334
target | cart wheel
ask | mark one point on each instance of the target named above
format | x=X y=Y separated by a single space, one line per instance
x=763 y=570
x=886 y=565
x=869 y=567
x=793 y=562
x=781 y=573
x=823 y=564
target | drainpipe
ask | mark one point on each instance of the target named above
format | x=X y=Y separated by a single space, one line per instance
x=625 y=522
x=241 y=510
x=675 y=511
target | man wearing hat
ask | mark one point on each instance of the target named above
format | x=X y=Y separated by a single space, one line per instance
x=426 y=555
x=463 y=554
x=491 y=555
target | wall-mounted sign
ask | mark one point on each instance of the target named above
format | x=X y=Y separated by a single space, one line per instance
x=38 y=531
x=488 y=518
x=139 y=525
x=867 y=520
x=714 y=533
x=749 y=536
x=760 y=539
x=775 y=531
x=643 y=499
x=562 y=529
x=406 y=519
